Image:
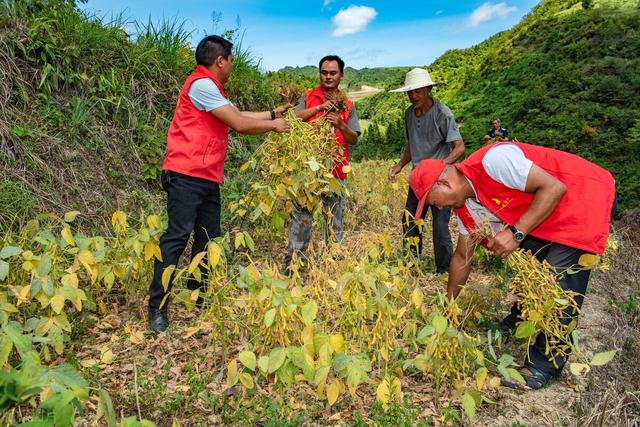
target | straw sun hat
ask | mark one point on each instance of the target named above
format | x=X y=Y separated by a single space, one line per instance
x=415 y=79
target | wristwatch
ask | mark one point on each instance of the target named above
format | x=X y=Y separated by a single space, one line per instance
x=518 y=235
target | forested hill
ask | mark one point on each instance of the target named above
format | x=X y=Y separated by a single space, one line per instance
x=381 y=77
x=566 y=77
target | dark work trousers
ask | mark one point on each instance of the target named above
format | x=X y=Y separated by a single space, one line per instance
x=442 y=246
x=561 y=258
x=193 y=204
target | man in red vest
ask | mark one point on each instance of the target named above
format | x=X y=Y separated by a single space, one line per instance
x=555 y=204
x=194 y=162
x=326 y=101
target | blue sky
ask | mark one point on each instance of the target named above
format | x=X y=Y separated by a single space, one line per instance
x=365 y=33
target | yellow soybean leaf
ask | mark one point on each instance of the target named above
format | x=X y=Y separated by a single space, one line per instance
x=440 y=323
x=57 y=303
x=119 y=221
x=469 y=405
x=382 y=392
x=417 y=297
x=86 y=258
x=579 y=369
x=603 y=358
x=70 y=216
x=232 y=373
x=588 y=260
x=214 y=252
x=395 y=386
x=248 y=359
x=481 y=376
x=337 y=343
x=88 y=363
x=68 y=236
x=195 y=262
x=154 y=221
x=384 y=353
x=333 y=392
x=107 y=357
x=166 y=276
x=70 y=280
x=494 y=382
x=246 y=380
x=148 y=251
x=239 y=241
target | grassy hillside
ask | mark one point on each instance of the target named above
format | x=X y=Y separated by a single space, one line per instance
x=85 y=108
x=565 y=77
x=382 y=77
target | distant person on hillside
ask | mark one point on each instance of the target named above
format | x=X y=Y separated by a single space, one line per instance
x=552 y=203
x=433 y=134
x=326 y=100
x=193 y=166
x=496 y=132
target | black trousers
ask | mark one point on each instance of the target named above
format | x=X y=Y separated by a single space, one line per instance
x=193 y=205
x=561 y=258
x=442 y=246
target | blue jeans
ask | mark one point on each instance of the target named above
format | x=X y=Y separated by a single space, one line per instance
x=193 y=205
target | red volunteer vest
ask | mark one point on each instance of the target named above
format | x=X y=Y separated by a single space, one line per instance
x=581 y=219
x=316 y=97
x=197 y=140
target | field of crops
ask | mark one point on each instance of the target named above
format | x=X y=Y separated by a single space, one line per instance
x=361 y=334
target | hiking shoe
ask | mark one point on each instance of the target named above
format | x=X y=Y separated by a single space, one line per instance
x=158 y=319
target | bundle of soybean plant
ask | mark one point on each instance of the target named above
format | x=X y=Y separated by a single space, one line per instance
x=544 y=305
x=294 y=167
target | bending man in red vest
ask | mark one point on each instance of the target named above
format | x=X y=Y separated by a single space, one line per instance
x=315 y=104
x=555 y=204
x=193 y=166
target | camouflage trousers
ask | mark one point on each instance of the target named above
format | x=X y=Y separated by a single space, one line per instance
x=302 y=220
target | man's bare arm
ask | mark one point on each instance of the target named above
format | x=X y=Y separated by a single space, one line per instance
x=456 y=151
x=460 y=266
x=240 y=123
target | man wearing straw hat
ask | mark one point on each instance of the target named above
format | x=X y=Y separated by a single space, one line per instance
x=433 y=134
x=534 y=198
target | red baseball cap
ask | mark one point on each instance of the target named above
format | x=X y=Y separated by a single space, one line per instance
x=422 y=179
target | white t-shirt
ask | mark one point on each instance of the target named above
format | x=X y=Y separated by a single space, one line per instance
x=507 y=164
x=206 y=96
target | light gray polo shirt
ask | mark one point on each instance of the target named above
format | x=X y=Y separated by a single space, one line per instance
x=430 y=135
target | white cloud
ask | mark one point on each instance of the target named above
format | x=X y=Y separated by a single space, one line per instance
x=489 y=11
x=352 y=20
x=439 y=12
x=326 y=3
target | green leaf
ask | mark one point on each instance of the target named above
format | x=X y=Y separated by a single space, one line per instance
x=309 y=312
x=440 y=324
x=9 y=251
x=248 y=359
x=67 y=376
x=269 y=316
x=4 y=270
x=263 y=363
x=6 y=345
x=276 y=358
x=106 y=408
x=525 y=330
x=424 y=333
x=22 y=342
x=469 y=406
x=603 y=358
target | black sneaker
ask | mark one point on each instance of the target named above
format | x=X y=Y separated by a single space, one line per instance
x=158 y=319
